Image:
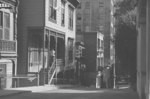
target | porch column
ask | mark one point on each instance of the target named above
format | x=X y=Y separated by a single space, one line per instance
x=56 y=56
x=44 y=32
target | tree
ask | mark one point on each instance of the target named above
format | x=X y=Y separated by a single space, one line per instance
x=126 y=37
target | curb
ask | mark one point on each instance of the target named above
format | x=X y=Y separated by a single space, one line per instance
x=14 y=93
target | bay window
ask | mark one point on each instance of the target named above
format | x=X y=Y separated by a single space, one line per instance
x=4 y=26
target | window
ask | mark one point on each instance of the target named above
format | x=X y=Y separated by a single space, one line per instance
x=52 y=10
x=62 y=13
x=79 y=16
x=79 y=6
x=35 y=59
x=1 y=19
x=1 y=25
x=78 y=27
x=71 y=10
x=101 y=4
x=87 y=5
x=70 y=50
x=4 y=26
x=78 y=30
x=102 y=44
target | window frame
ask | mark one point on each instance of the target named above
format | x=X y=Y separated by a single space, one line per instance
x=1 y=25
x=71 y=17
x=34 y=59
x=62 y=13
x=70 y=50
x=1 y=19
x=53 y=10
x=5 y=26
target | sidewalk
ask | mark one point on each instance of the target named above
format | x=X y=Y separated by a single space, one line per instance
x=20 y=90
x=12 y=92
x=35 y=89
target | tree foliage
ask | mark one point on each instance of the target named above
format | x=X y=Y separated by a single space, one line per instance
x=125 y=37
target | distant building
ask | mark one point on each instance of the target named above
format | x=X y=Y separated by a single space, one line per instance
x=43 y=26
x=80 y=63
x=94 y=15
x=8 y=42
x=94 y=55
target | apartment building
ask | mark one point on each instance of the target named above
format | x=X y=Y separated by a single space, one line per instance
x=8 y=42
x=46 y=40
x=92 y=16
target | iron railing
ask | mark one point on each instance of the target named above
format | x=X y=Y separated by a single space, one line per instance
x=8 y=46
x=51 y=72
x=17 y=78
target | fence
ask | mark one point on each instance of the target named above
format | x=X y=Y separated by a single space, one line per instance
x=19 y=80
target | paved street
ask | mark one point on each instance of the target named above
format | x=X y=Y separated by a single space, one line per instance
x=76 y=93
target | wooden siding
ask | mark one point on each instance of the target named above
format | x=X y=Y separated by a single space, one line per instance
x=57 y=25
x=32 y=12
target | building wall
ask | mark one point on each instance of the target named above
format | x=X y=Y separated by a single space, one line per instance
x=57 y=26
x=8 y=51
x=91 y=47
x=92 y=15
x=95 y=16
x=35 y=14
x=148 y=49
x=92 y=55
x=11 y=22
x=30 y=14
x=69 y=33
x=91 y=51
x=143 y=49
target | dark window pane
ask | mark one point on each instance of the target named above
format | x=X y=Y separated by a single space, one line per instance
x=6 y=20
x=1 y=19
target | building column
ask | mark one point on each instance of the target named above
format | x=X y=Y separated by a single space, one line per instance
x=141 y=49
x=148 y=50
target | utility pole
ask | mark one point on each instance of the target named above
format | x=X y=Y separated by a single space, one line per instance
x=114 y=68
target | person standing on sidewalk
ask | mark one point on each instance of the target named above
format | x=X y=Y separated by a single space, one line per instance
x=98 y=79
x=106 y=77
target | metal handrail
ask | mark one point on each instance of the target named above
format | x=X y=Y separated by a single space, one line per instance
x=8 y=46
x=30 y=76
x=53 y=67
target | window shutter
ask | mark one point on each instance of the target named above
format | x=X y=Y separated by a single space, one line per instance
x=1 y=33
x=6 y=33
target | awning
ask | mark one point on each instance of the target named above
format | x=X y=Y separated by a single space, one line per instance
x=74 y=2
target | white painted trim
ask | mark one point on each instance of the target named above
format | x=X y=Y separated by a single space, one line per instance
x=5 y=61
